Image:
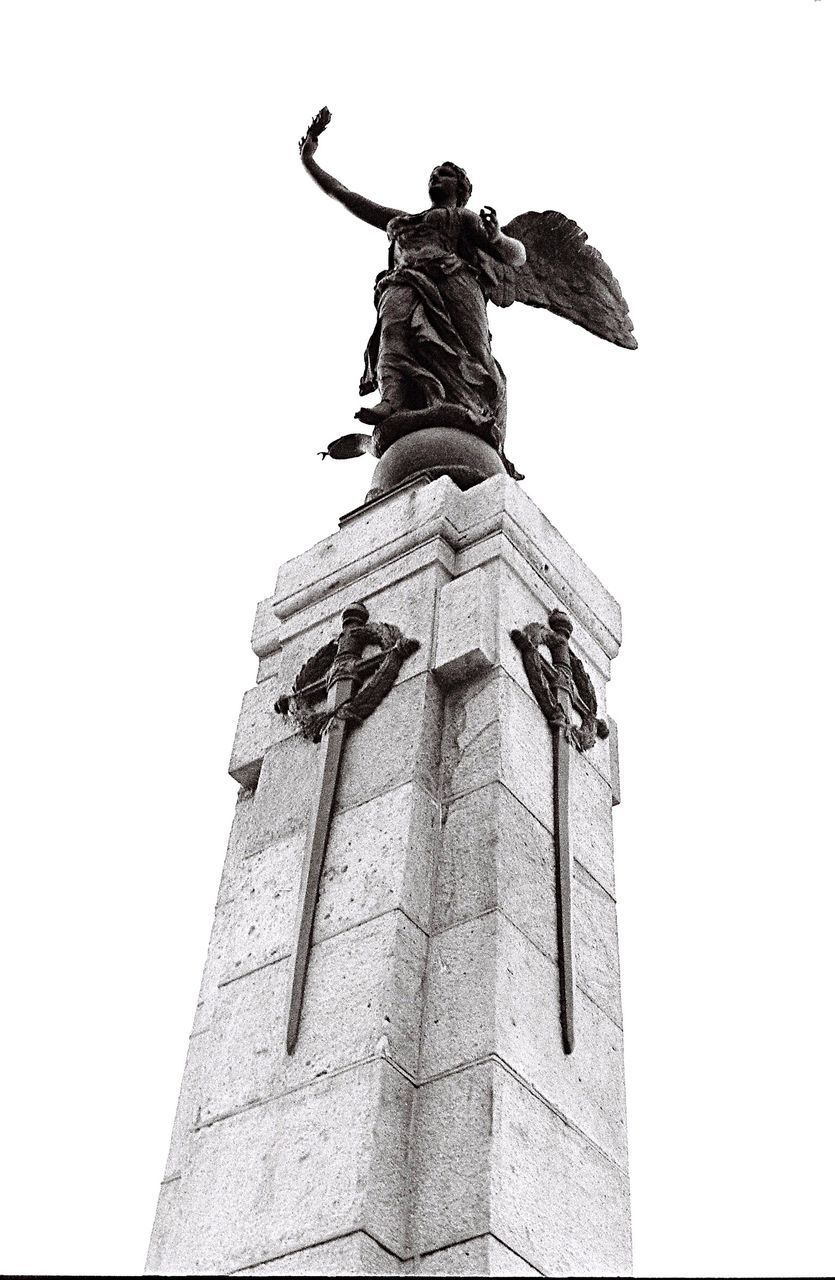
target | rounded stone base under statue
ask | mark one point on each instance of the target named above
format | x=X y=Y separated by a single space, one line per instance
x=435 y=451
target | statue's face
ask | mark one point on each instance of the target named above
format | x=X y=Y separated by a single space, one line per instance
x=443 y=186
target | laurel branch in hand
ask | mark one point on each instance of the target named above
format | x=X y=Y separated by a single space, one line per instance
x=315 y=129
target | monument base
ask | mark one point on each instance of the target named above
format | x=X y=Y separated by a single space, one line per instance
x=429 y=1121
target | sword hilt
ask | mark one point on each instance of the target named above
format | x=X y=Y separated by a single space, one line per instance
x=349 y=646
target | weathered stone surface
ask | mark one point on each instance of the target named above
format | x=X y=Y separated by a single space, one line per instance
x=467 y=615
x=353 y=1255
x=494 y=853
x=498 y=511
x=451 y=1190
x=553 y=1198
x=596 y=944
x=398 y=744
x=234 y=852
x=561 y=561
x=281 y=805
x=259 y=728
x=557 y=1200
x=320 y=1162
x=378 y=857
x=484 y=1256
x=490 y=991
x=523 y=597
x=495 y=732
x=409 y=717
x=362 y=999
x=370 y=539
x=187 y=1106
x=590 y=815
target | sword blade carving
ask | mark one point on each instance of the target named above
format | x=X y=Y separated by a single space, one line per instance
x=341 y=683
x=564 y=865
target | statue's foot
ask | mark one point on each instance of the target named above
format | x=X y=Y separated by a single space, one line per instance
x=373 y=415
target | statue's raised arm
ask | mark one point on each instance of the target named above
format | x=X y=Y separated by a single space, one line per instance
x=377 y=215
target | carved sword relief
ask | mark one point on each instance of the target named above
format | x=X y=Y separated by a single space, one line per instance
x=561 y=686
x=354 y=687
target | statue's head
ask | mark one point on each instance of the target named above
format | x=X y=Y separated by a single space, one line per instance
x=449 y=185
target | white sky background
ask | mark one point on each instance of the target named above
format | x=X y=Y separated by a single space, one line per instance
x=183 y=321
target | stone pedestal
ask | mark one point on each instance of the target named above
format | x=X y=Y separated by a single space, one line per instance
x=429 y=1121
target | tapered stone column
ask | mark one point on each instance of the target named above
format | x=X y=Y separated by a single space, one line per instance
x=429 y=1121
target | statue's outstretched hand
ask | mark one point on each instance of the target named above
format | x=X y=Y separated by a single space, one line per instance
x=317 y=126
x=489 y=222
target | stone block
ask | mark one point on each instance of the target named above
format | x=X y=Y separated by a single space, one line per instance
x=554 y=1198
x=494 y=732
x=466 y=639
x=557 y=1200
x=559 y=559
x=490 y=991
x=524 y=597
x=371 y=538
x=259 y=727
x=399 y=743
x=497 y=516
x=597 y=964
x=234 y=852
x=451 y=1164
x=283 y=797
x=187 y=1106
x=590 y=816
x=321 y=1162
x=361 y=1000
x=353 y=1255
x=168 y=1250
x=484 y=1256
x=494 y=853
x=378 y=857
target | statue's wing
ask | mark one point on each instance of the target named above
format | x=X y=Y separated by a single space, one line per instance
x=563 y=274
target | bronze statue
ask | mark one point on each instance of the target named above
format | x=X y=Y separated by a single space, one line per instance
x=430 y=356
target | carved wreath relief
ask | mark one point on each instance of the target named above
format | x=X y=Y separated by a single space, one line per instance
x=566 y=674
x=312 y=682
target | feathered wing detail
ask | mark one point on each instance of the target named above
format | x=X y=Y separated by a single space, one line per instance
x=563 y=274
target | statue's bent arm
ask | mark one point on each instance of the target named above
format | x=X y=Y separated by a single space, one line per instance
x=485 y=232
x=360 y=206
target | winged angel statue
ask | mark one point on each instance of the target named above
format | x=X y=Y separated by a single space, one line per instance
x=429 y=356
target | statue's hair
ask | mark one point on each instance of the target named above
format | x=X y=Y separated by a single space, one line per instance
x=465 y=187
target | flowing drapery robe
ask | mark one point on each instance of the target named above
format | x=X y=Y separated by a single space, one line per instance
x=432 y=333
